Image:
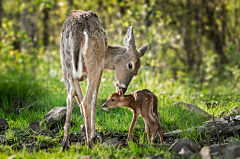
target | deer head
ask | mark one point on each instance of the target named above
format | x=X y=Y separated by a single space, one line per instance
x=117 y=99
x=128 y=65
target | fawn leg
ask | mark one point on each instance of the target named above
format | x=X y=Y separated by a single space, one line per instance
x=147 y=128
x=153 y=125
x=135 y=116
x=159 y=130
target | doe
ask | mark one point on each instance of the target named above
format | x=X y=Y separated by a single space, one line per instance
x=85 y=53
x=141 y=102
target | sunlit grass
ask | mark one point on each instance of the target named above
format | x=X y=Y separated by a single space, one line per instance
x=52 y=93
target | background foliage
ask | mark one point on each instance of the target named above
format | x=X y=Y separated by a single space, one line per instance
x=194 y=45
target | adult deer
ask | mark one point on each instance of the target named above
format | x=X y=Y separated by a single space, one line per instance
x=141 y=102
x=85 y=53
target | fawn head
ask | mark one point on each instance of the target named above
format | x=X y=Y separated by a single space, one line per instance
x=115 y=99
x=128 y=65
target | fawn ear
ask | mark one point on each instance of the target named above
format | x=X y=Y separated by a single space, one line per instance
x=129 y=39
x=142 y=50
x=120 y=92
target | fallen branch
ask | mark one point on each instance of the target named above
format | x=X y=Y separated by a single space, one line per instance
x=226 y=127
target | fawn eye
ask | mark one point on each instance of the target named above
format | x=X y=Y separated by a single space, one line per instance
x=130 y=66
x=112 y=100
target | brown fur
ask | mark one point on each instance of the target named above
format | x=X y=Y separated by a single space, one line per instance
x=84 y=55
x=142 y=102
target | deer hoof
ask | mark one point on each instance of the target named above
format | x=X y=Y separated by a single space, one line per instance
x=65 y=144
x=90 y=145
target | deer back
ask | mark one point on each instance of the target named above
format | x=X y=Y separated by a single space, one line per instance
x=83 y=43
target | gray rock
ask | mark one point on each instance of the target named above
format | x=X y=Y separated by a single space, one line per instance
x=3 y=124
x=86 y=157
x=214 y=149
x=234 y=111
x=185 y=151
x=205 y=153
x=55 y=116
x=112 y=143
x=2 y=139
x=55 y=130
x=184 y=142
x=83 y=129
x=232 y=150
x=231 y=139
x=34 y=126
x=193 y=109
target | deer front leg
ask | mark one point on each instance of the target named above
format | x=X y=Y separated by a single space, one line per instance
x=135 y=116
x=90 y=103
x=70 y=99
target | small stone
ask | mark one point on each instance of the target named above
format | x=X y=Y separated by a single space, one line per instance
x=184 y=142
x=3 y=124
x=86 y=157
x=34 y=126
x=185 y=151
x=2 y=139
x=55 y=116
x=112 y=142
x=55 y=130
x=83 y=128
x=205 y=153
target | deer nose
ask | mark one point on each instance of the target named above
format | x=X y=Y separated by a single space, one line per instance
x=123 y=89
x=118 y=87
x=104 y=106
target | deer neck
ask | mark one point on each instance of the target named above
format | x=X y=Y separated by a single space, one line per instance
x=114 y=53
x=129 y=102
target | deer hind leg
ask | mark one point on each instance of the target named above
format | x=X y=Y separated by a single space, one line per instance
x=150 y=118
x=70 y=99
x=159 y=129
x=79 y=95
x=147 y=128
x=89 y=103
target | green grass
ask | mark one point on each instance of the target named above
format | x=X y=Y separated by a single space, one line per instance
x=117 y=119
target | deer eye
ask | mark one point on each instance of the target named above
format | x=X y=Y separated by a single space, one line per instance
x=112 y=100
x=130 y=66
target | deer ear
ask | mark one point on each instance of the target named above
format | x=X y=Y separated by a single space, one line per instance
x=129 y=39
x=143 y=50
x=120 y=92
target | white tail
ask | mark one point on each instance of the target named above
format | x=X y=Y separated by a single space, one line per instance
x=142 y=102
x=84 y=55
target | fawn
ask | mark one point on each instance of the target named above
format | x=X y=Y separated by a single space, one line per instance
x=141 y=102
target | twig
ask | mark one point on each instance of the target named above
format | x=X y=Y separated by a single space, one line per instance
x=164 y=126
x=219 y=149
x=167 y=129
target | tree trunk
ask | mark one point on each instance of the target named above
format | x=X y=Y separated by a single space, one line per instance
x=45 y=26
x=70 y=4
x=1 y=13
